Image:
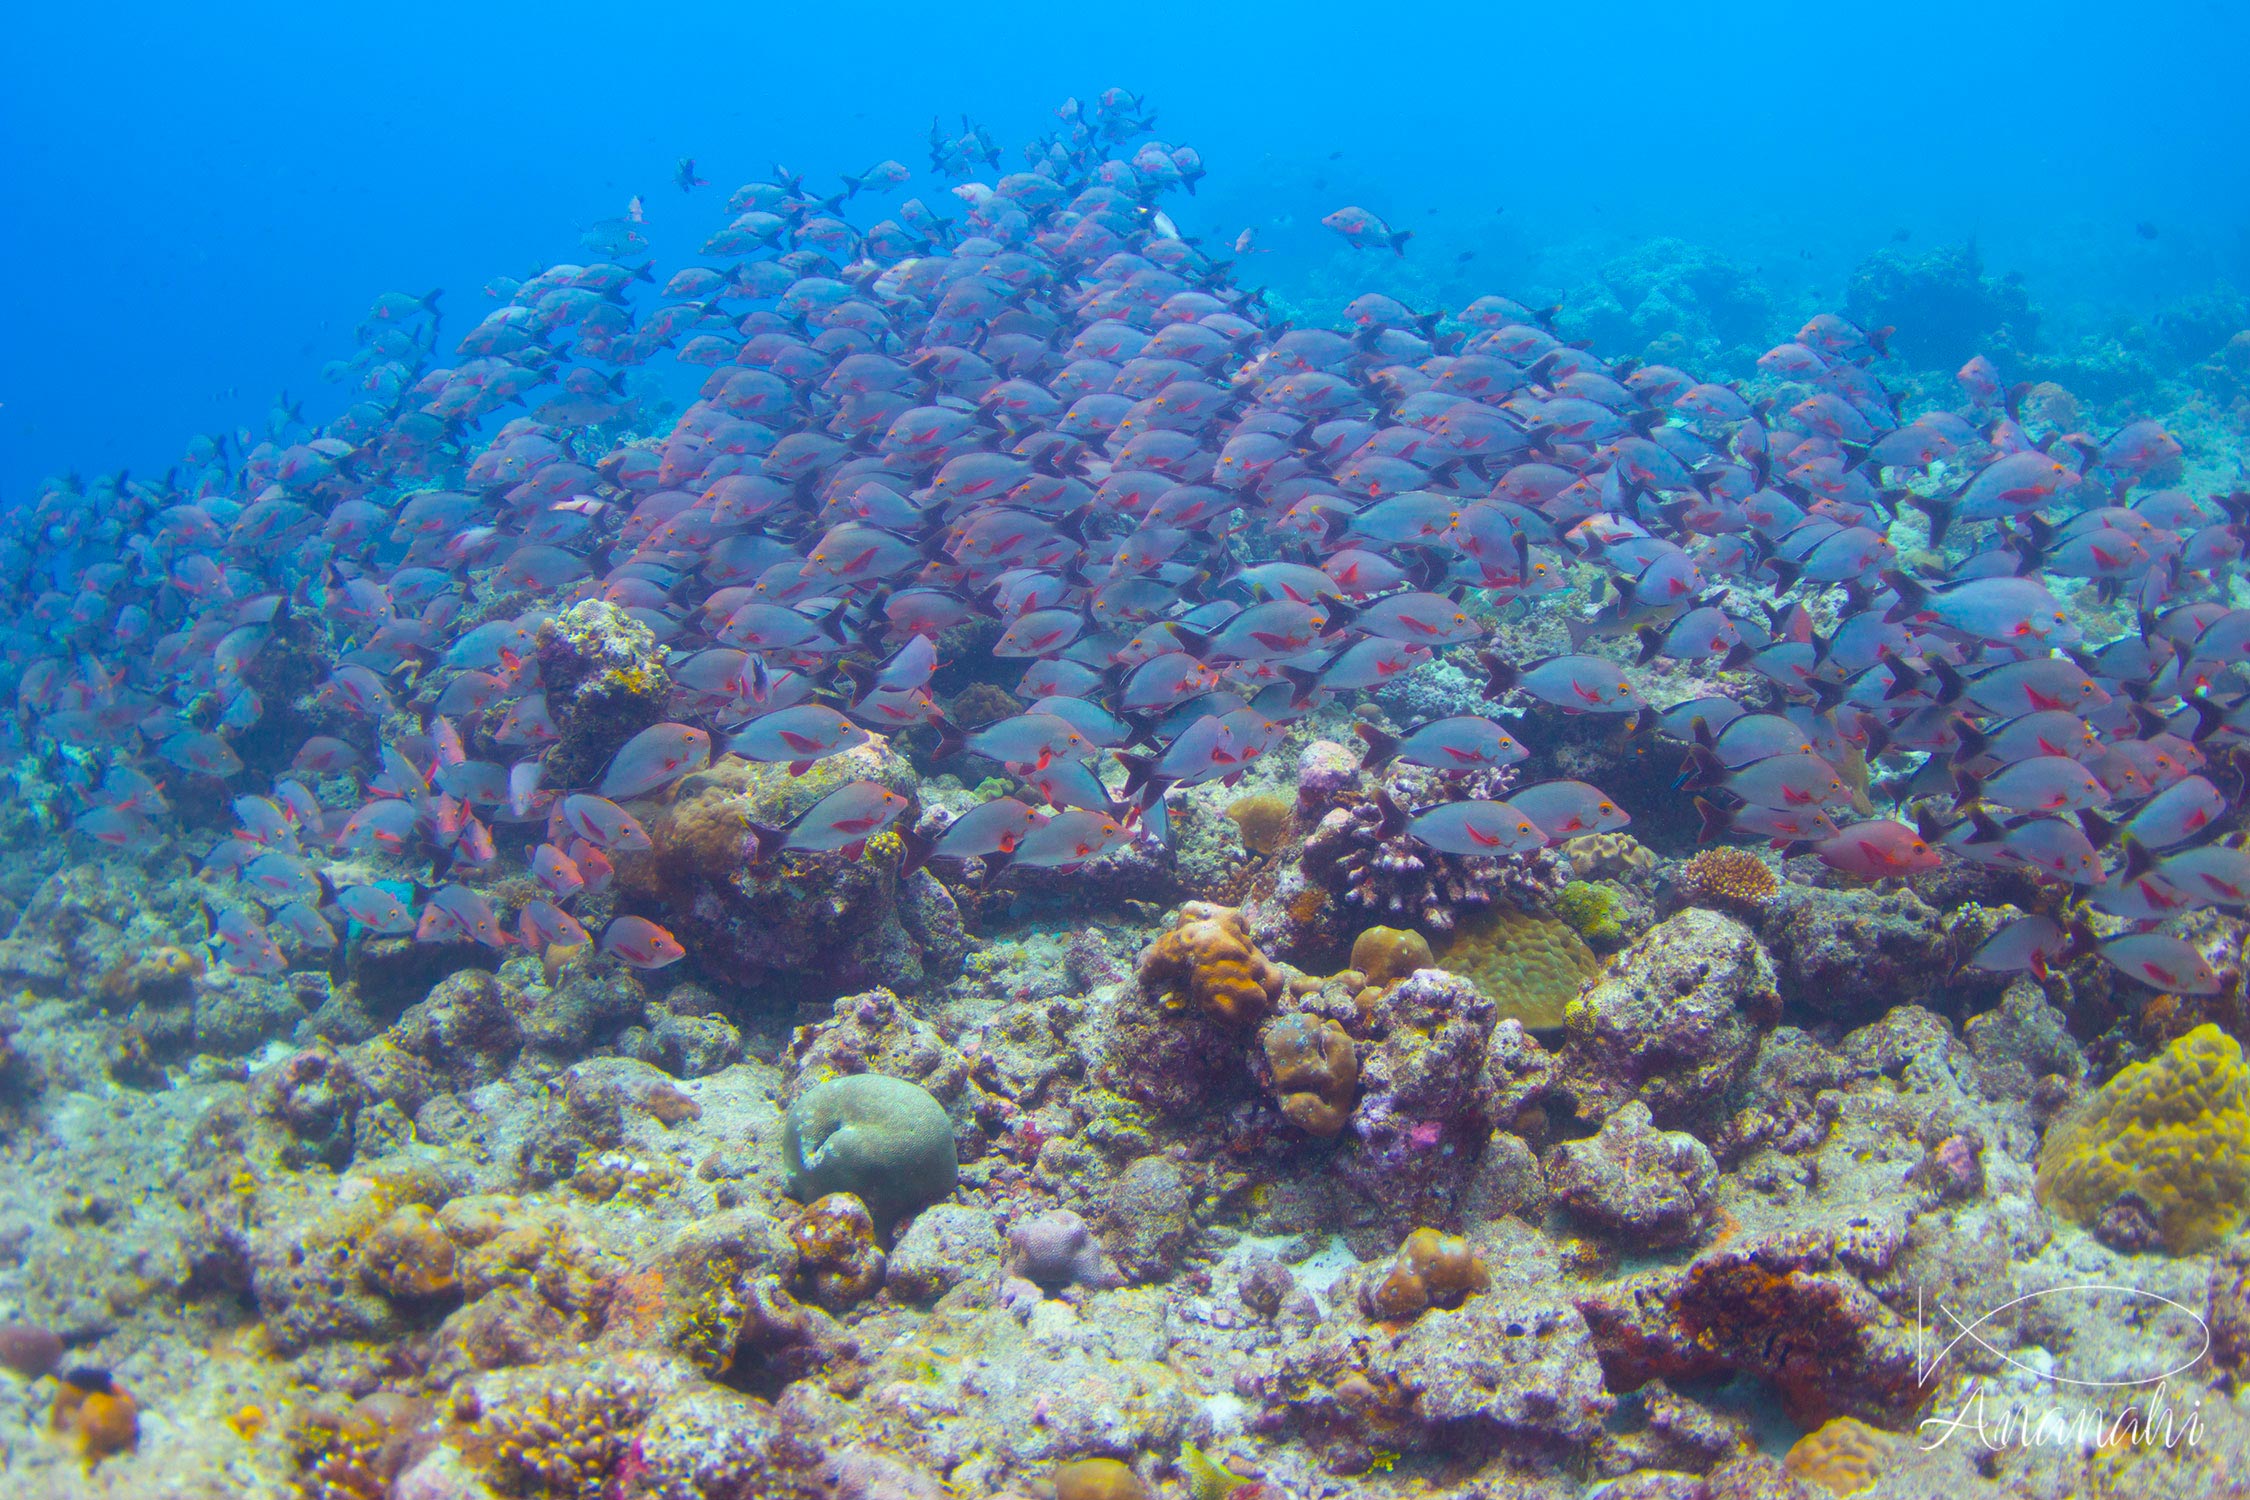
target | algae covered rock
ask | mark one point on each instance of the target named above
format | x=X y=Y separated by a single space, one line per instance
x=883 y=1140
x=1669 y=1023
x=1648 y=1186
x=823 y=923
x=2169 y=1138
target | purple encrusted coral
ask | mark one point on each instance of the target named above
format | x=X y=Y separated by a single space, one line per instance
x=1056 y=1249
x=1363 y=853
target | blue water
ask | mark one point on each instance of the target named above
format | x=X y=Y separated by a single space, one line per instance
x=204 y=200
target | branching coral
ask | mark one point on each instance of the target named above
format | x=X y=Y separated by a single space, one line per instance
x=2169 y=1137
x=1726 y=877
x=1207 y=959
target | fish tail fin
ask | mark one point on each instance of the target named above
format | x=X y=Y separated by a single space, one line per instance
x=1718 y=823
x=1785 y=572
x=2099 y=831
x=917 y=851
x=1912 y=596
x=951 y=741
x=2147 y=722
x=765 y=842
x=1940 y=512
x=1194 y=642
x=1967 y=787
x=1652 y=645
x=1399 y=237
x=1952 y=686
x=1969 y=741
x=851 y=184
x=1826 y=694
x=1381 y=747
x=1704 y=769
x=1500 y=675
x=2139 y=859
x=1305 y=684
x=994 y=863
x=2209 y=718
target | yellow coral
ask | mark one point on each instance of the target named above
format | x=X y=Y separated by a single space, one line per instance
x=1263 y=819
x=1385 y=955
x=1606 y=855
x=1844 y=1455
x=2172 y=1133
x=1530 y=966
x=1726 y=877
x=1207 y=958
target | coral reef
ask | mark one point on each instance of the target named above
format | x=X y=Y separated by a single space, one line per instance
x=605 y=682
x=1362 y=854
x=838 y=1261
x=2167 y=1140
x=1315 y=1071
x=1943 y=306
x=1728 y=878
x=1670 y=1023
x=821 y=924
x=1649 y=1186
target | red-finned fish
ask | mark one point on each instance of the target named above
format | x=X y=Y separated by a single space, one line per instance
x=994 y=827
x=845 y=819
x=1568 y=809
x=801 y=737
x=602 y=823
x=1476 y=826
x=1465 y=742
x=1069 y=839
x=542 y=925
x=1366 y=230
x=1582 y=684
x=2177 y=814
x=2026 y=945
x=375 y=909
x=2163 y=963
x=241 y=942
x=640 y=943
x=656 y=757
x=1876 y=850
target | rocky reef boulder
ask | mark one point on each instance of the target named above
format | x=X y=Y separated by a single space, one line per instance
x=817 y=924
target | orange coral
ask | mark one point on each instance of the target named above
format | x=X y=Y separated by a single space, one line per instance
x=1430 y=1270
x=1207 y=958
x=1315 y=1071
x=1726 y=877
x=1844 y=1455
x=98 y=1412
x=1385 y=955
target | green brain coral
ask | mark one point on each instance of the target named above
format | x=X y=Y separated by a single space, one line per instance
x=2172 y=1133
x=1593 y=910
x=1530 y=966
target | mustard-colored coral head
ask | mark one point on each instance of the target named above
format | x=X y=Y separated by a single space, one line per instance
x=2171 y=1134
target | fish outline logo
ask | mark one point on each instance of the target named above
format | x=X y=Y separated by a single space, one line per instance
x=1925 y=1368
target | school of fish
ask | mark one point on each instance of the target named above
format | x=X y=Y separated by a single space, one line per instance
x=1052 y=417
